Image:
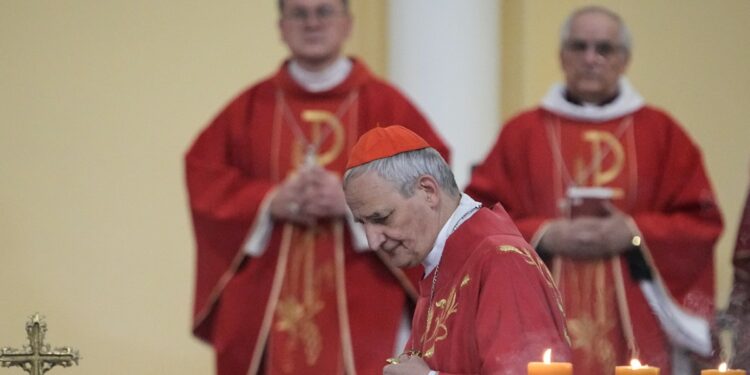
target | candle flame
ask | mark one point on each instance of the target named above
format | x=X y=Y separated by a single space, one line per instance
x=634 y=363
x=547 y=356
x=723 y=367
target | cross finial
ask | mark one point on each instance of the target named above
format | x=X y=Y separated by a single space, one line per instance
x=37 y=358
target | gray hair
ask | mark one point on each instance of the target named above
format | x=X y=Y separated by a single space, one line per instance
x=404 y=169
x=624 y=37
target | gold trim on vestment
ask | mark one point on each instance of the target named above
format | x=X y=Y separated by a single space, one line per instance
x=347 y=349
x=278 y=281
x=624 y=307
x=215 y=293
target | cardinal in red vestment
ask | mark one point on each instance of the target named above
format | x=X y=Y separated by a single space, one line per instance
x=487 y=303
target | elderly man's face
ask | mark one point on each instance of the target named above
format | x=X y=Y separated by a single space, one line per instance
x=592 y=58
x=314 y=30
x=404 y=229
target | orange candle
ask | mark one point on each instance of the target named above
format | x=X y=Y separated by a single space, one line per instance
x=636 y=368
x=723 y=370
x=548 y=367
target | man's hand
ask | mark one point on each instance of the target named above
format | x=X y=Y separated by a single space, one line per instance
x=310 y=194
x=407 y=365
x=324 y=195
x=288 y=202
x=589 y=237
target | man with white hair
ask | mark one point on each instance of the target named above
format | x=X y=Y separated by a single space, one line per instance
x=487 y=304
x=613 y=194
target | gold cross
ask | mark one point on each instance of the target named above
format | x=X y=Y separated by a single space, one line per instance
x=37 y=357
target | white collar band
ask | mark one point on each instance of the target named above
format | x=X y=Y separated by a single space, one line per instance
x=466 y=208
x=627 y=102
x=323 y=80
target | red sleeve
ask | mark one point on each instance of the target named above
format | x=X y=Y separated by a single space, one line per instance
x=223 y=201
x=217 y=189
x=682 y=226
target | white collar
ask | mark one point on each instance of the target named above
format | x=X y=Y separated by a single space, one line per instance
x=323 y=80
x=466 y=208
x=627 y=102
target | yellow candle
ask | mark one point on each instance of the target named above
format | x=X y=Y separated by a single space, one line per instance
x=723 y=370
x=548 y=367
x=636 y=368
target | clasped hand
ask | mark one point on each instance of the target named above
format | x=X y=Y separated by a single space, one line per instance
x=310 y=194
x=589 y=237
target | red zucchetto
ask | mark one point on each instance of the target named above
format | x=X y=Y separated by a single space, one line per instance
x=383 y=142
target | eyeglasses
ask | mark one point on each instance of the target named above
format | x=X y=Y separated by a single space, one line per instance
x=603 y=49
x=323 y=13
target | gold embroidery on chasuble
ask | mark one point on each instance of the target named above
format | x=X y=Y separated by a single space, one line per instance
x=465 y=280
x=600 y=159
x=301 y=299
x=308 y=292
x=606 y=159
x=601 y=141
x=593 y=157
x=322 y=124
x=441 y=310
x=592 y=313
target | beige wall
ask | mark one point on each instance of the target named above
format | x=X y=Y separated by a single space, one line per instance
x=99 y=100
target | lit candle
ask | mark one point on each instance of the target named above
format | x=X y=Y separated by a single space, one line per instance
x=636 y=368
x=548 y=367
x=723 y=371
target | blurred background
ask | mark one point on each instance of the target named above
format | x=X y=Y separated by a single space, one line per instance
x=100 y=99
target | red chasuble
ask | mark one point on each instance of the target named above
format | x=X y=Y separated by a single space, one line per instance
x=309 y=304
x=494 y=307
x=657 y=176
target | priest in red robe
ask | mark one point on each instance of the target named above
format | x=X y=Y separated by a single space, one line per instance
x=285 y=281
x=613 y=194
x=487 y=304
x=739 y=301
